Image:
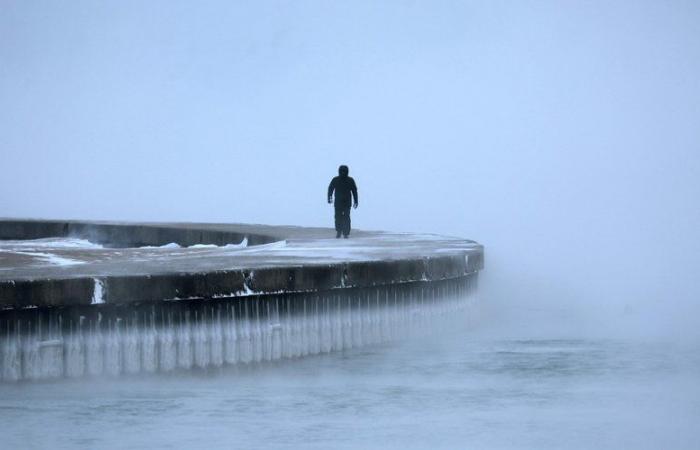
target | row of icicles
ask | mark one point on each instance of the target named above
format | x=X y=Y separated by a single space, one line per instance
x=214 y=337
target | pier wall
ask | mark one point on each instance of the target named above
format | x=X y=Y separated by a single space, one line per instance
x=113 y=340
x=125 y=310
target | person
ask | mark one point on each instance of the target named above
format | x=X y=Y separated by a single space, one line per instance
x=345 y=194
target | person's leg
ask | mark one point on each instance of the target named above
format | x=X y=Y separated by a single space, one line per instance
x=338 y=221
x=346 y=223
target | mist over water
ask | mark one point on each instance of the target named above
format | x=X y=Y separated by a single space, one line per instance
x=562 y=136
x=472 y=384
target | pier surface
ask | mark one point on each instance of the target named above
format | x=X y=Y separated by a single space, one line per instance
x=116 y=262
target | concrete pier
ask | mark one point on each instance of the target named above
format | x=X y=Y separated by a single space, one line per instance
x=95 y=298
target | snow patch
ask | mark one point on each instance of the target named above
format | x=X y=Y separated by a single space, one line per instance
x=174 y=245
x=265 y=247
x=170 y=245
x=51 y=258
x=242 y=244
x=48 y=243
x=98 y=292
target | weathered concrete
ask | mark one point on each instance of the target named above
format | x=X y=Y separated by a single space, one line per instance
x=99 y=298
x=276 y=259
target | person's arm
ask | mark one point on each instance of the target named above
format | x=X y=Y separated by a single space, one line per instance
x=354 y=193
x=331 y=188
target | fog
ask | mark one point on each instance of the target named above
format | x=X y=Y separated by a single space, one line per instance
x=561 y=135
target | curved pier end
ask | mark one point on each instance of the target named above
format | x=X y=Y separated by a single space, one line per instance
x=152 y=262
x=105 y=299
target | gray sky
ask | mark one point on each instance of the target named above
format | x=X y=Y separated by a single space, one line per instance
x=562 y=135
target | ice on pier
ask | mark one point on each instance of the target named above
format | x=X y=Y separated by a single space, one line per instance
x=211 y=334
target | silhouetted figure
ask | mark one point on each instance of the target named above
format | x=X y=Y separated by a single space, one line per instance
x=345 y=192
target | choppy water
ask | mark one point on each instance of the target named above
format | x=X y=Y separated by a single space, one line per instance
x=460 y=389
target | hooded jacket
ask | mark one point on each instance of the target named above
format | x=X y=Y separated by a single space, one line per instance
x=344 y=187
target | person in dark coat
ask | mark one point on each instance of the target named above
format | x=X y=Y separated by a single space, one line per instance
x=345 y=195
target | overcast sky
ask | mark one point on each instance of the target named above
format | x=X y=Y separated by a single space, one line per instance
x=562 y=135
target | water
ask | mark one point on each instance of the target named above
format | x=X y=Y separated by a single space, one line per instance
x=466 y=387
